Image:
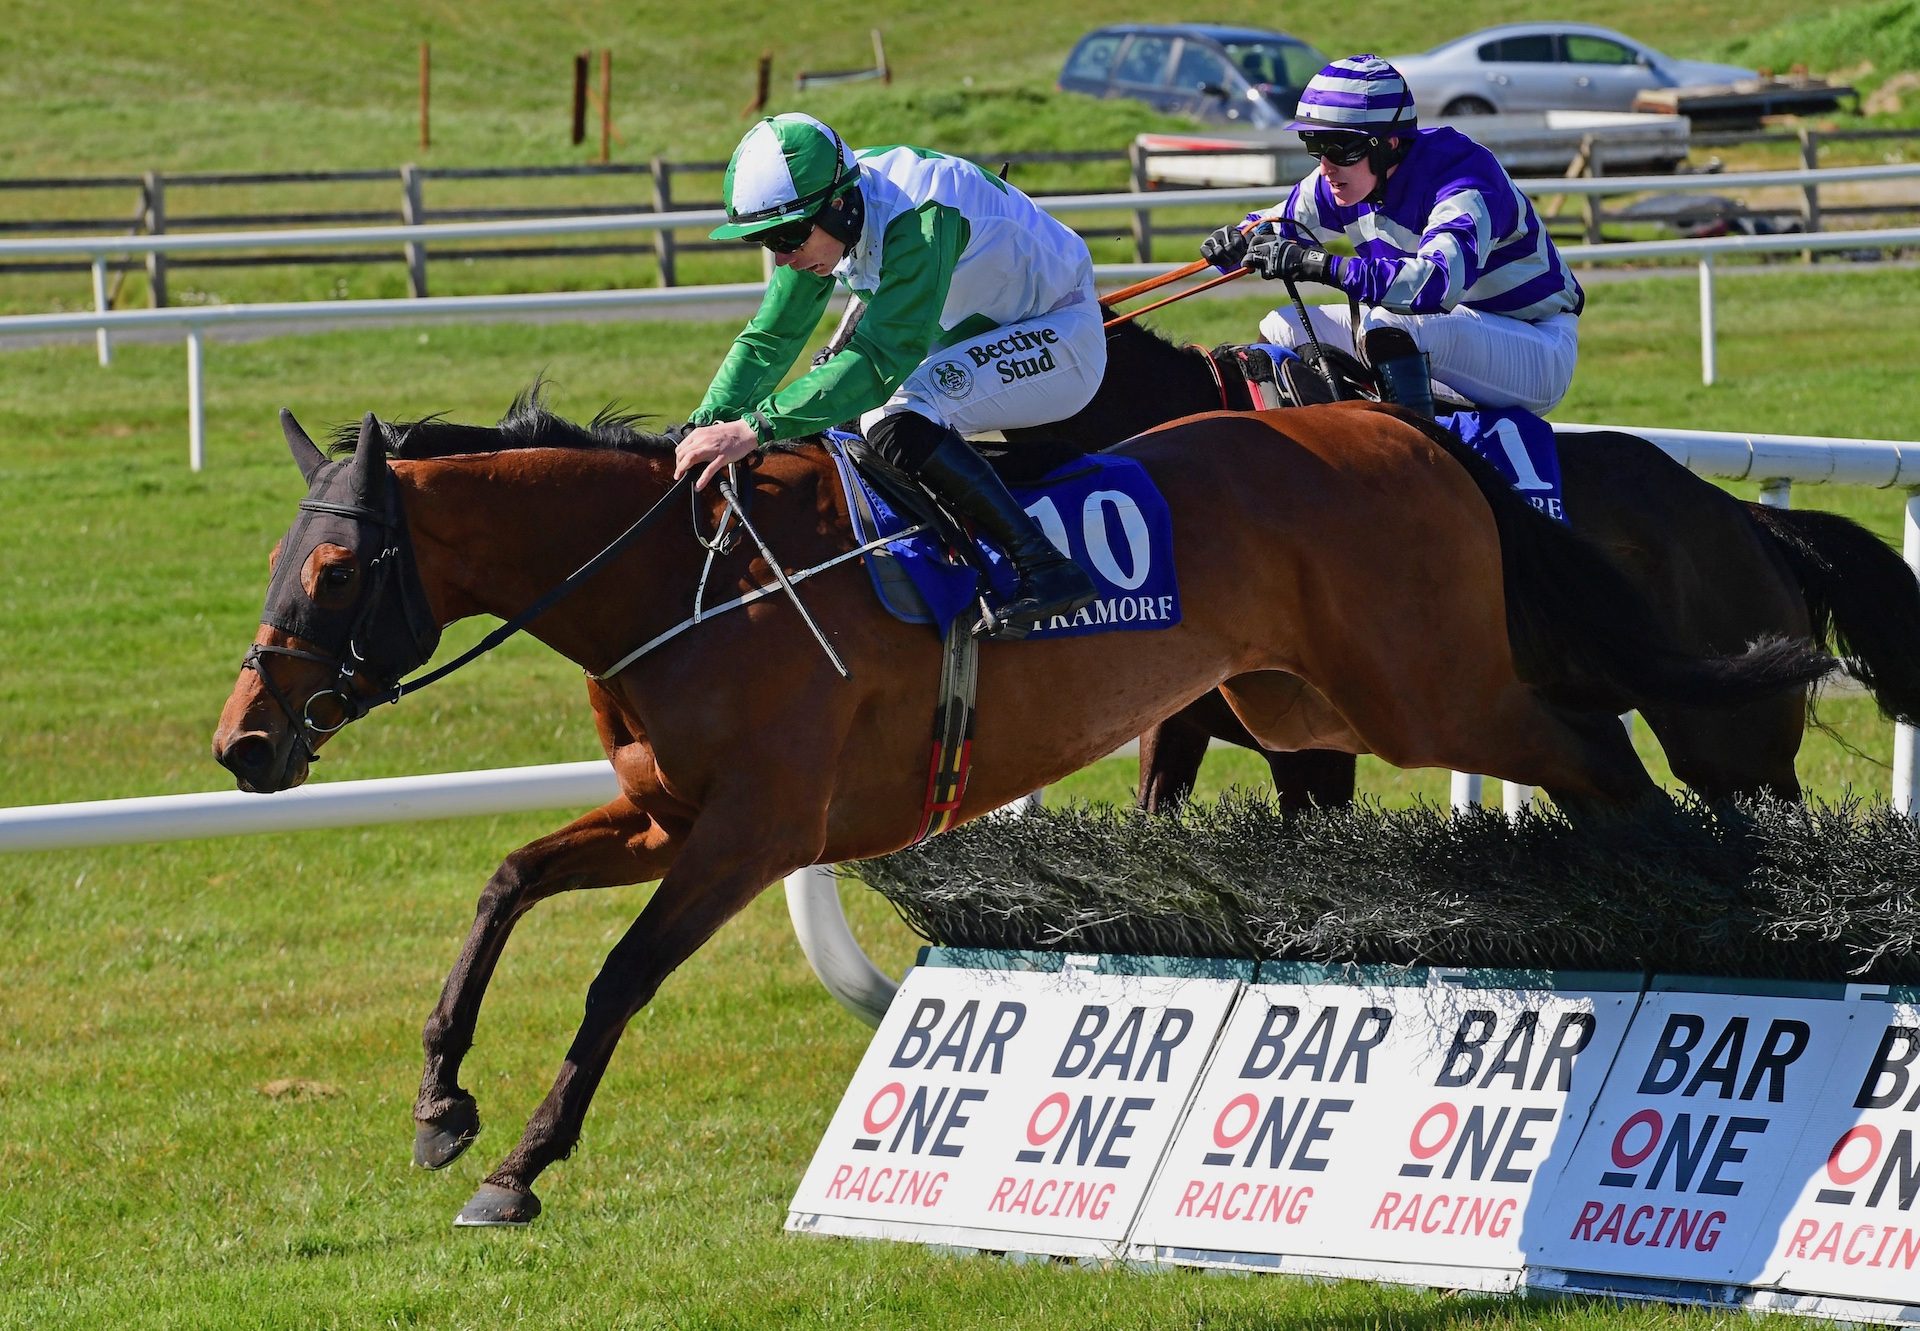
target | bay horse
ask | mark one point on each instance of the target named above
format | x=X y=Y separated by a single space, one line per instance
x=1478 y=636
x=1718 y=573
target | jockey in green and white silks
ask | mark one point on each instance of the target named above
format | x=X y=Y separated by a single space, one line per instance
x=980 y=314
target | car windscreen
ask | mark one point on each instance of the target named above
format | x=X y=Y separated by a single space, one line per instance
x=1275 y=64
x=1093 y=57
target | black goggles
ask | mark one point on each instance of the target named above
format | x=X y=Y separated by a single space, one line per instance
x=785 y=238
x=1340 y=149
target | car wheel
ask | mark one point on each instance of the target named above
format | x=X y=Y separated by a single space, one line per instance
x=1467 y=106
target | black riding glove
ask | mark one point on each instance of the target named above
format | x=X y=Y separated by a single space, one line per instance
x=1273 y=257
x=1225 y=248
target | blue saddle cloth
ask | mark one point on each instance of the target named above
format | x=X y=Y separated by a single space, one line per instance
x=1518 y=444
x=1520 y=447
x=1105 y=512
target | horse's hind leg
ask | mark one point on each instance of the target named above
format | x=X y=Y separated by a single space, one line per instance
x=1170 y=756
x=1598 y=767
x=613 y=846
x=1743 y=751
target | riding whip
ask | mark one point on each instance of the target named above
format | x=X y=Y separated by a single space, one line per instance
x=1154 y=283
x=1190 y=291
x=780 y=576
x=1313 y=339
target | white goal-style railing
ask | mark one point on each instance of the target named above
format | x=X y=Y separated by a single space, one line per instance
x=1777 y=462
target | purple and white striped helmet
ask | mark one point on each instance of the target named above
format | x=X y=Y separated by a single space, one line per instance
x=1362 y=94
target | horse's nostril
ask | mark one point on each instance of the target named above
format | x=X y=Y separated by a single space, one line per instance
x=248 y=756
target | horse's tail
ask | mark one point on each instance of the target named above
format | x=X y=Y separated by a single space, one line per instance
x=1861 y=596
x=1585 y=636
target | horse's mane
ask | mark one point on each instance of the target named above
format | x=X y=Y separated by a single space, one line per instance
x=528 y=423
x=1134 y=330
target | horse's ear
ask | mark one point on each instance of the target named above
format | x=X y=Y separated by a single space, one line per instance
x=306 y=455
x=369 y=460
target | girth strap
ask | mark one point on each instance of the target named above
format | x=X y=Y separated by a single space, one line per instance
x=952 y=730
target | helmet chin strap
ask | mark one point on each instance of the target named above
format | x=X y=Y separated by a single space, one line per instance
x=844 y=217
x=1384 y=155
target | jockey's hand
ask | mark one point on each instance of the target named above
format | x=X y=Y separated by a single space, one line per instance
x=1225 y=248
x=1274 y=257
x=712 y=447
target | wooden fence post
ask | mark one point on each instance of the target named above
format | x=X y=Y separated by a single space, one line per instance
x=414 y=213
x=762 y=83
x=1142 y=220
x=663 y=242
x=580 y=98
x=154 y=219
x=1810 y=205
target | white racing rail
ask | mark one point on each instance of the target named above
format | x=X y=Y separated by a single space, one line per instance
x=1777 y=461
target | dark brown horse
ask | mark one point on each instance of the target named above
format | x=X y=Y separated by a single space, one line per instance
x=1480 y=636
x=1719 y=573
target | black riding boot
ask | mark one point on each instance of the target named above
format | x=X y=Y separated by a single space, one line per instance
x=1050 y=583
x=1402 y=370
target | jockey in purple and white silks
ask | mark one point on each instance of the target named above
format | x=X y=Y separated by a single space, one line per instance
x=1451 y=264
x=980 y=314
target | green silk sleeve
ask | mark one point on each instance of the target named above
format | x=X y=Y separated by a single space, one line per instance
x=901 y=321
x=766 y=347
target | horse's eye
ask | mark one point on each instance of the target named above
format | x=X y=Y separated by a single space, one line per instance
x=336 y=577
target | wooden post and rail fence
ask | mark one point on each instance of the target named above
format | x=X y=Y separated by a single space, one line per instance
x=664 y=185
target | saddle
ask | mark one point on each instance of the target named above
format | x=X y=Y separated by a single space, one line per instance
x=1020 y=468
x=1102 y=510
x=1277 y=376
x=1517 y=444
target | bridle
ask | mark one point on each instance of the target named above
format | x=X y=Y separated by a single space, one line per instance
x=361 y=644
x=373 y=646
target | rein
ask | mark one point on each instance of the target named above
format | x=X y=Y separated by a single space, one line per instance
x=539 y=607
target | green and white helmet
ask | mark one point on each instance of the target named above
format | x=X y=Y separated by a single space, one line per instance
x=785 y=170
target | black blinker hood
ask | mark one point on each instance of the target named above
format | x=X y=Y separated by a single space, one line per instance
x=388 y=630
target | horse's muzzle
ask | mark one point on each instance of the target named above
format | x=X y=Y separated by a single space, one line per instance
x=259 y=765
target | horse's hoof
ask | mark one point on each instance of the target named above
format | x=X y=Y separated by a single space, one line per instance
x=494 y=1205
x=438 y=1144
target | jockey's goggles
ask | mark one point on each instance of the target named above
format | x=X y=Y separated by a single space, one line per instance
x=785 y=238
x=1340 y=149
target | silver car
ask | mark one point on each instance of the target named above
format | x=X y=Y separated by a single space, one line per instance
x=1545 y=67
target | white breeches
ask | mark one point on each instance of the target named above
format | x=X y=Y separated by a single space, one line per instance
x=1488 y=359
x=1027 y=373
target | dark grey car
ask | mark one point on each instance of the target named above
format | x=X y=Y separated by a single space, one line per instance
x=1241 y=76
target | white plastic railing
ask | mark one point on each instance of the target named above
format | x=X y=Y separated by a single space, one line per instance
x=195 y=321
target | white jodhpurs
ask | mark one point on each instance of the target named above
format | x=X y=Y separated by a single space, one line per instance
x=1031 y=372
x=1488 y=359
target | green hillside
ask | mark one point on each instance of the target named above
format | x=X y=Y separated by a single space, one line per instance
x=218 y=84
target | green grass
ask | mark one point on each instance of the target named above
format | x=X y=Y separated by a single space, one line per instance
x=1862 y=44
x=221 y=84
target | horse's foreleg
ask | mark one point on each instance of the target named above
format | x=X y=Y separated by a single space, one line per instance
x=726 y=861
x=614 y=845
x=1170 y=756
